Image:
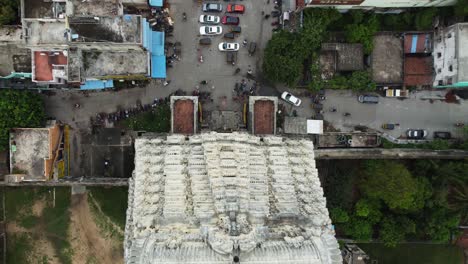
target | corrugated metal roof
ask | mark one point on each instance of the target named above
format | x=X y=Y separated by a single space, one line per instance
x=156 y=3
x=154 y=42
x=418 y=43
x=97 y=84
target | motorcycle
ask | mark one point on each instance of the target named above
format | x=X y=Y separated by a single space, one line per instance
x=184 y=16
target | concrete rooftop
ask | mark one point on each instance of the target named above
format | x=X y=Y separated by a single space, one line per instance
x=387 y=59
x=32 y=147
x=97 y=63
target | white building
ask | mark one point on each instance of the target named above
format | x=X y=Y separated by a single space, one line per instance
x=451 y=56
x=372 y=4
x=227 y=198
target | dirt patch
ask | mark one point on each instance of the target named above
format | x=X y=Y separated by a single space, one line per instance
x=183 y=117
x=264 y=117
x=87 y=242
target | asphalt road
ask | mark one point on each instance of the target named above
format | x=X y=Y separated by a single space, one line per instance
x=416 y=112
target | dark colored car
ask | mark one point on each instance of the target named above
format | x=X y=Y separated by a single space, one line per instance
x=212 y=7
x=230 y=20
x=236 y=29
x=368 y=99
x=416 y=133
x=229 y=35
x=442 y=135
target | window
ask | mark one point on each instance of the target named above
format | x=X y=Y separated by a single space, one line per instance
x=451 y=68
x=449 y=35
x=440 y=82
x=439 y=54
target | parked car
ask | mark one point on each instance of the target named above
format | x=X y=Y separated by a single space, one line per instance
x=416 y=133
x=252 y=48
x=236 y=29
x=388 y=126
x=442 y=135
x=212 y=7
x=230 y=20
x=209 y=19
x=288 y=97
x=235 y=8
x=229 y=35
x=205 y=41
x=210 y=30
x=368 y=99
x=225 y=46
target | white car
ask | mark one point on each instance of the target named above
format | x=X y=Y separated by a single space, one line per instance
x=291 y=99
x=210 y=30
x=224 y=46
x=209 y=19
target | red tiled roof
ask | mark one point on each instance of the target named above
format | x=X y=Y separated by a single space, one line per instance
x=43 y=61
x=418 y=71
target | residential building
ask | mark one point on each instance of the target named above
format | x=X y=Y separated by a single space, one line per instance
x=451 y=56
x=39 y=154
x=86 y=43
x=377 y=5
x=418 y=62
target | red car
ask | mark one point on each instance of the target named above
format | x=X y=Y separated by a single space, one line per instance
x=230 y=20
x=235 y=8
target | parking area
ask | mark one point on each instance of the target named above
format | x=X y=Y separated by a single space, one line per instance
x=422 y=110
x=221 y=76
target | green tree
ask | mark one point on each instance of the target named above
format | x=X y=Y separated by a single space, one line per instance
x=8 y=11
x=391 y=182
x=358 y=228
x=361 y=81
x=458 y=200
x=393 y=230
x=281 y=63
x=363 y=33
x=461 y=8
x=19 y=109
x=369 y=209
x=438 y=222
x=424 y=18
x=339 y=215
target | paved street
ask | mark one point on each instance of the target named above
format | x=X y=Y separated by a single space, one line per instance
x=188 y=72
x=410 y=113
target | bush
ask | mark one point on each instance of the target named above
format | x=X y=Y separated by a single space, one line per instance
x=363 y=33
x=339 y=215
x=8 y=11
x=424 y=18
x=19 y=109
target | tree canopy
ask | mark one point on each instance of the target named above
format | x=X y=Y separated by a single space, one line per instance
x=19 y=109
x=8 y=11
x=286 y=52
x=392 y=183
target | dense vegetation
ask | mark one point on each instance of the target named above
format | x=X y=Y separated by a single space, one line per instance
x=8 y=11
x=288 y=55
x=396 y=201
x=19 y=109
x=157 y=120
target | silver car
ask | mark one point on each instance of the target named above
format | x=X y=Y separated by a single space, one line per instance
x=288 y=97
x=209 y=19
x=210 y=30
x=212 y=7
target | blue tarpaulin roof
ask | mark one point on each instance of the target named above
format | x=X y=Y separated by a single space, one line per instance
x=97 y=84
x=154 y=42
x=156 y=3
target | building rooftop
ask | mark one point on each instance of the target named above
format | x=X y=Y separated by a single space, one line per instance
x=94 y=8
x=49 y=65
x=418 y=43
x=14 y=58
x=119 y=62
x=418 y=71
x=262 y=114
x=450 y=56
x=387 y=59
x=184 y=111
x=349 y=56
x=32 y=151
x=44 y=32
x=227 y=198
x=119 y=29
